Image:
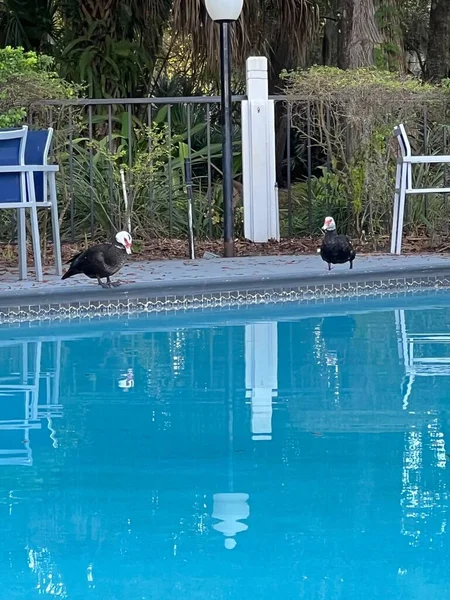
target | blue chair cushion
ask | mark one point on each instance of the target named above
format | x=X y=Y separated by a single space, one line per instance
x=34 y=155
x=9 y=182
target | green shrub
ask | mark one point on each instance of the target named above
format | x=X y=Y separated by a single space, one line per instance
x=26 y=78
x=351 y=115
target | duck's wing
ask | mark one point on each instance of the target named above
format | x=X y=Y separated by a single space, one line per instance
x=345 y=246
x=95 y=257
x=70 y=261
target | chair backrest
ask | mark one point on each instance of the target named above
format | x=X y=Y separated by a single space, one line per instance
x=405 y=149
x=36 y=153
x=12 y=152
x=403 y=141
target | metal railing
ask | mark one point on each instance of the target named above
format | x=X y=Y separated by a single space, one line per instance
x=93 y=131
x=87 y=129
x=315 y=177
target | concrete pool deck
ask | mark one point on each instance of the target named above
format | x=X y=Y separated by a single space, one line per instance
x=206 y=276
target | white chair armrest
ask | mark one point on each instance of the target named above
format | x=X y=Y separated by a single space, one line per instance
x=435 y=159
x=29 y=169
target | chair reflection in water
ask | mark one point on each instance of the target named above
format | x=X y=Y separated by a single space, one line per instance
x=412 y=349
x=28 y=395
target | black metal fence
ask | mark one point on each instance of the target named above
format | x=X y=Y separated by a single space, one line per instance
x=101 y=143
x=95 y=139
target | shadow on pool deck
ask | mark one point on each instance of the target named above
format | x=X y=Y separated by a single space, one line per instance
x=202 y=275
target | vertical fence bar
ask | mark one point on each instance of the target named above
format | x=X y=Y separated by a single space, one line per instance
x=169 y=141
x=110 y=173
x=189 y=135
x=347 y=159
x=208 y=145
x=91 y=168
x=188 y=181
x=425 y=143
x=288 y=166
x=309 y=165
x=130 y=163
x=71 y=198
x=328 y=125
x=150 y=188
x=445 y=143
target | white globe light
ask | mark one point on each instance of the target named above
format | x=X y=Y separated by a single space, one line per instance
x=224 y=10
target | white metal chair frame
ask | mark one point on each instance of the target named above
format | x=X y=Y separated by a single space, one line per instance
x=27 y=382
x=404 y=183
x=28 y=200
x=419 y=366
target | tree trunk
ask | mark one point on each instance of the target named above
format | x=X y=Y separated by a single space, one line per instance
x=389 y=19
x=329 y=42
x=438 y=51
x=358 y=34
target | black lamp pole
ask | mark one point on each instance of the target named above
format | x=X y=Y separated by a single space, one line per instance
x=227 y=138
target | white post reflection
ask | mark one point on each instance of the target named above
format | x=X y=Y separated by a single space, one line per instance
x=261 y=375
x=27 y=396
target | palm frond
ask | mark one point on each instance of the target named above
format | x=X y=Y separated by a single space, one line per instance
x=267 y=27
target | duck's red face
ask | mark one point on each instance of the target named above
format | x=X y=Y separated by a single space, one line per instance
x=329 y=224
x=124 y=238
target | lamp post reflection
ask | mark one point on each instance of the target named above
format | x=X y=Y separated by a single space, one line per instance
x=230 y=507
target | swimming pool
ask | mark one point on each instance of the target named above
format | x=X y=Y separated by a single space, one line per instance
x=280 y=457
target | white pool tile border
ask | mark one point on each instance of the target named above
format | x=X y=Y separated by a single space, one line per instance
x=302 y=294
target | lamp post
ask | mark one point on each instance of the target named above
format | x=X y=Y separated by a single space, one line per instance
x=225 y=12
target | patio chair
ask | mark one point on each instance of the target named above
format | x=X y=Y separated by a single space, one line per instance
x=27 y=181
x=29 y=394
x=19 y=394
x=412 y=349
x=404 y=184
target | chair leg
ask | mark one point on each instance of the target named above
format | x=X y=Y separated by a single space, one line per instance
x=394 y=234
x=22 y=243
x=55 y=225
x=36 y=243
x=34 y=227
x=401 y=211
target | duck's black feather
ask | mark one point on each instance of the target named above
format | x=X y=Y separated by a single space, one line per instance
x=337 y=249
x=102 y=260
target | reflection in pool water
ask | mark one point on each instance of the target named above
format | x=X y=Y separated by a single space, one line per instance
x=291 y=459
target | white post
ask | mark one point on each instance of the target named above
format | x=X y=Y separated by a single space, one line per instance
x=261 y=375
x=261 y=217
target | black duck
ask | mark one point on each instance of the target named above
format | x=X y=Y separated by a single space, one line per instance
x=336 y=249
x=101 y=261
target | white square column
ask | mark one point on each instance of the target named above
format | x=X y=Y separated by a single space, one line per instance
x=261 y=215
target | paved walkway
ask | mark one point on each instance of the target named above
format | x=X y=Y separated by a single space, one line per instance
x=181 y=276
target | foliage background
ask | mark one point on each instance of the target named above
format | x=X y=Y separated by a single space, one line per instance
x=351 y=70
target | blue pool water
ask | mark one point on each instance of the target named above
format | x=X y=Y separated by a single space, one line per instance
x=278 y=459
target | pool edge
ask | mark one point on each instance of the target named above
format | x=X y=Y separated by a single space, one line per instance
x=185 y=295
